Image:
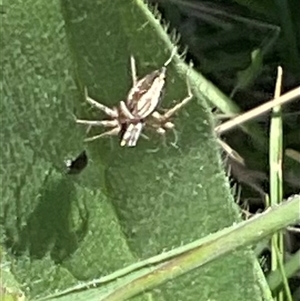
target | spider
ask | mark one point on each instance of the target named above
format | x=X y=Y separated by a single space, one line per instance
x=130 y=117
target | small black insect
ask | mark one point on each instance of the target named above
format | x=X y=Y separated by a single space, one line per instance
x=78 y=164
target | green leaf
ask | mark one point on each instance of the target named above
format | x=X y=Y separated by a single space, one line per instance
x=128 y=204
x=52 y=222
x=246 y=77
x=164 y=196
x=9 y=287
x=147 y=274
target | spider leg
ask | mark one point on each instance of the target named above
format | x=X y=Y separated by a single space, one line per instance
x=133 y=70
x=111 y=112
x=126 y=111
x=114 y=132
x=145 y=136
x=91 y=123
x=161 y=122
x=105 y=123
x=162 y=132
x=178 y=106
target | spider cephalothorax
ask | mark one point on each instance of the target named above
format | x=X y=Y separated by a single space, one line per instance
x=139 y=110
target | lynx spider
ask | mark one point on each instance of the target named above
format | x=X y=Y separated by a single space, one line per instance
x=139 y=110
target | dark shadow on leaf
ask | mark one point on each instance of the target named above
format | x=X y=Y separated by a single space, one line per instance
x=49 y=228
